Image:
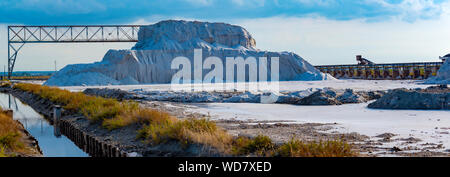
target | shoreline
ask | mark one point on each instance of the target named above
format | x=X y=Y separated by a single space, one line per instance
x=31 y=148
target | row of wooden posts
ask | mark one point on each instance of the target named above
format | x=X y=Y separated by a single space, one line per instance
x=88 y=143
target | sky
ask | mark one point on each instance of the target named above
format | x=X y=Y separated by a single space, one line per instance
x=321 y=31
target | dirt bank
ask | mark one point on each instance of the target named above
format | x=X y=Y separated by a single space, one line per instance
x=31 y=143
x=24 y=146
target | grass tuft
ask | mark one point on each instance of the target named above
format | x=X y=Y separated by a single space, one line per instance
x=260 y=145
x=330 y=148
x=139 y=115
x=10 y=136
x=188 y=131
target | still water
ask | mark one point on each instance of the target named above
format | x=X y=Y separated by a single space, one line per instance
x=41 y=129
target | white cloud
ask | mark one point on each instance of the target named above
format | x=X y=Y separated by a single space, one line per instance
x=59 y=6
x=324 y=41
x=410 y=10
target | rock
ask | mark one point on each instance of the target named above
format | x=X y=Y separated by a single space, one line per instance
x=109 y=93
x=269 y=97
x=303 y=93
x=411 y=140
x=330 y=91
x=373 y=95
x=396 y=149
x=386 y=135
x=326 y=96
x=412 y=99
x=243 y=98
x=288 y=99
x=319 y=98
x=350 y=97
x=149 y=61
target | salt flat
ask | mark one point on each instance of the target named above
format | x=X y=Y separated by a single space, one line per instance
x=429 y=126
x=357 y=85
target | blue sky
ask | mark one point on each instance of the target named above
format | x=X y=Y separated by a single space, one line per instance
x=322 y=31
x=125 y=11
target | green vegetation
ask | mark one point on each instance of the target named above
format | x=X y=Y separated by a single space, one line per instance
x=2 y=152
x=188 y=131
x=10 y=136
x=142 y=116
x=260 y=145
x=30 y=77
x=5 y=83
x=96 y=109
x=160 y=127
x=331 y=148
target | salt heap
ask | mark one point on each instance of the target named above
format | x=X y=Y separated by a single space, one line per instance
x=149 y=61
x=443 y=75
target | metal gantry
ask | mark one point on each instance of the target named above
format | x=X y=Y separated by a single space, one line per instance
x=419 y=70
x=18 y=36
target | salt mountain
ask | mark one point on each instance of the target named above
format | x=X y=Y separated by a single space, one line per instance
x=443 y=75
x=149 y=61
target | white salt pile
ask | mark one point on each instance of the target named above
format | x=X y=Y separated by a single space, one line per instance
x=443 y=75
x=149 y=61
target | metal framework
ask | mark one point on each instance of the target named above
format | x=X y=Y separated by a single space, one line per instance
x=18 y=36
x=420 y=70
x=382 y=65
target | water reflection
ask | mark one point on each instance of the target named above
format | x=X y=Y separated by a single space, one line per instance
x=40 y=128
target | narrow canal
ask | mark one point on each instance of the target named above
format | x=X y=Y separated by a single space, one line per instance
x=41 y=129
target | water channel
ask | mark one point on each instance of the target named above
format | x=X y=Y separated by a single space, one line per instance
x=41 y=129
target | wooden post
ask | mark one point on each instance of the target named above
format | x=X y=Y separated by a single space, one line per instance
x=56 y=118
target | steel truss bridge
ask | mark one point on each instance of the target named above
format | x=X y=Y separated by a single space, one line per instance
x=421 y=70
x=18 y=36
